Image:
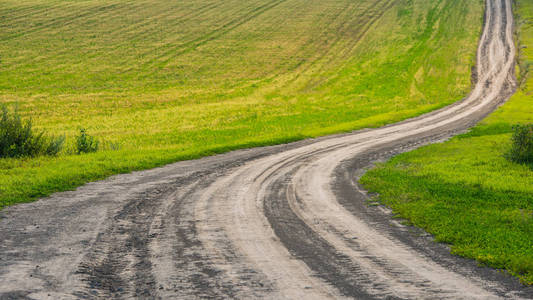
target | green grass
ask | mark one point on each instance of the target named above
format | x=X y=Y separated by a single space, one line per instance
x=464 y=191
x=174 y=80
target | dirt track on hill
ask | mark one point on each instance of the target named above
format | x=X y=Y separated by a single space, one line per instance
x=286 y=221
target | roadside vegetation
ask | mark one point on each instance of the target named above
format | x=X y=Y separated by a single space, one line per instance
x=86 y=143
x=19 y=139
x=521 y=144
x=475 y=191
x=175 y=80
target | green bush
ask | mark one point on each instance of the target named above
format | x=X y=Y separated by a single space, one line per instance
x=85 y=143
x=522 y=144
x=18 y=139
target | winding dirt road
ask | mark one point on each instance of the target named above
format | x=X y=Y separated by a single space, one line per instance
x=278 y=222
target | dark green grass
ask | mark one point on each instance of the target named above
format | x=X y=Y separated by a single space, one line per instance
x=465 y=191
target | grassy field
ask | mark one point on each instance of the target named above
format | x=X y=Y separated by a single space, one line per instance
x=464 y=191
x=172 y=80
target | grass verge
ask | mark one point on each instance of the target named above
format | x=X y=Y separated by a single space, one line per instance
x=464 y=191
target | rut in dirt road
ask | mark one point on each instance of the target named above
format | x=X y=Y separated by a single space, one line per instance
x=281 y=222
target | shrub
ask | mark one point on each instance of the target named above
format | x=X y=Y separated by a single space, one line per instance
x=85 y=143
x=522 y=144
x=18 y=139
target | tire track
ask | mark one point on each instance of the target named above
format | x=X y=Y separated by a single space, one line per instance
x=332 y=53
x=281 y=222
x=65 y=20
x=220 y=31
x=312 y=225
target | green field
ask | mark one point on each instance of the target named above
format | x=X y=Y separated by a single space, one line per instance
x=464 y=191
x=170 y=80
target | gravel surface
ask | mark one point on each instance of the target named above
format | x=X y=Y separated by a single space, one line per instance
x=286 y=221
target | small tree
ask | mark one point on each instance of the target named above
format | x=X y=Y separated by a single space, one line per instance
x=18 y=139
x=85 y=143
x=522 y=144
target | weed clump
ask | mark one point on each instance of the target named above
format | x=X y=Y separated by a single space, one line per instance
x=522 y=144
x=86 y=143
x=18 y=139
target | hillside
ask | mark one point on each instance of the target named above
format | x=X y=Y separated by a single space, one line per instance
x=161 y=81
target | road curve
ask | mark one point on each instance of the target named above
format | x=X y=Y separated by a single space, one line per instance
x=281 y=222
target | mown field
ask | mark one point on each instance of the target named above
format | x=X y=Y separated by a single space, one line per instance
x=464 y=191
x=160 y=81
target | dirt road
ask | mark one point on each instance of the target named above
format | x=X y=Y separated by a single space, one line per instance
x=277 y=222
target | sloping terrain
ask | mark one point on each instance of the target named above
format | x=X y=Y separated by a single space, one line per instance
x=164 y=81
x=276 y=222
